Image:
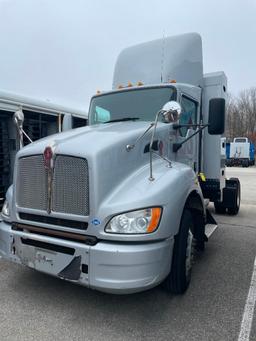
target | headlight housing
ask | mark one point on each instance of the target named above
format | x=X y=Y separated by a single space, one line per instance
x=135 y=222
x=6 y=209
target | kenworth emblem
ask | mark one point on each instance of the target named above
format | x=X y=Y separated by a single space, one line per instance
x=48 y=154
x=48 y=164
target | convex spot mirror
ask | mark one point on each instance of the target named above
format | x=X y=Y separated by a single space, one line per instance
x=216 y=119
x=171 y=112
x=18 y=118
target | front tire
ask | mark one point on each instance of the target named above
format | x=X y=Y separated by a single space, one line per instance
x=179 y=277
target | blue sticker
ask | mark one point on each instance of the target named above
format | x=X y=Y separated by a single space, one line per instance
x=95 y=222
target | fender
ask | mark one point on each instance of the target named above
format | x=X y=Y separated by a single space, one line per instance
x=171 y=189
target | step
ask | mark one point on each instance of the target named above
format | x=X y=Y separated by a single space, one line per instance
x=210 y=229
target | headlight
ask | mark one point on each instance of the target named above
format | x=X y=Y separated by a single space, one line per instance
x=6 y=209
x=135 y=222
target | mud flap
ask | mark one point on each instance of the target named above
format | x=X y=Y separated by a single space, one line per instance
x=210 y=219
x=73 y=270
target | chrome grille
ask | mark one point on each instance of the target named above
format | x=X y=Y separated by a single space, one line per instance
x=32 y=183
x=70 y=191
x=70 y=184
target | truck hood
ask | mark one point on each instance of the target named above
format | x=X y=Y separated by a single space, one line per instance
x=104 y=147
x=90 y=140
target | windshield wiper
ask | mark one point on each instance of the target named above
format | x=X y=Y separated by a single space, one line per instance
x=123 y=119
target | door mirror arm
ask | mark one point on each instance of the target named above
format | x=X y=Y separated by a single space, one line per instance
x=177 y=146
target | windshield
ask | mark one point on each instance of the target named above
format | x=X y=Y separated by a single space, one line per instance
x=142 y=104
x=240 y=140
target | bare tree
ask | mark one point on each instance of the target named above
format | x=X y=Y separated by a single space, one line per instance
x=241 y=115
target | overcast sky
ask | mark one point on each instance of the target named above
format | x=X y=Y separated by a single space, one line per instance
x=65 y=50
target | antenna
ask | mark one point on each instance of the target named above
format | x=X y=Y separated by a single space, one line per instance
x=162 y=58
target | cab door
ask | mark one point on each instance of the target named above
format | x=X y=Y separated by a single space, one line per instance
x=190 y=115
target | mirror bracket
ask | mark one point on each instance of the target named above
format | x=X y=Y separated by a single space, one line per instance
x=177 y=146
x=178 y=126
x=18 y=119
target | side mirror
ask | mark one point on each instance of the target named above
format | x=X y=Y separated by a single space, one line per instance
x=216 y=119
x=18 y=119
x=171 y=112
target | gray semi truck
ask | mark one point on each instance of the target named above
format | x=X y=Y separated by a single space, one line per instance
x=121 y=205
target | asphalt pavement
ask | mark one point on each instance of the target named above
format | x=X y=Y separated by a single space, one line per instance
x=34 y=306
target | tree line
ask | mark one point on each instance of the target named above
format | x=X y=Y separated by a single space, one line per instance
x=241 y=115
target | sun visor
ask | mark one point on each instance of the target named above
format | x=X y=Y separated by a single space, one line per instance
x=176 y=58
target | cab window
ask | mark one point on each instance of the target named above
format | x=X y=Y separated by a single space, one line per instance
x=188 y=114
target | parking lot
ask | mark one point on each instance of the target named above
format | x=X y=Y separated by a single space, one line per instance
x=34 y=306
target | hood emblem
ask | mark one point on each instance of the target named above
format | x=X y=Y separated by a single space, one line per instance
x=48 y=156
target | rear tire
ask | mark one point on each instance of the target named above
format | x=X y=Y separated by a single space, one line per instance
x=179 y=277
x=235 y=184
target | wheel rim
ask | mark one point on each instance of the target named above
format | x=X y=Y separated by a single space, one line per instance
x=189 y=254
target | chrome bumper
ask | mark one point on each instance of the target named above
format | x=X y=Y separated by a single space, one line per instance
x=110 y=267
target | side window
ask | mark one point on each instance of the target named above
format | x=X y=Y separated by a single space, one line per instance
x=188 y=114
x=78 y=122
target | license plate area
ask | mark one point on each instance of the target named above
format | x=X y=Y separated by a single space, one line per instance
x=58 y=260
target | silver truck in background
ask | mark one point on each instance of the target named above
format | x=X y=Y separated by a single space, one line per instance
x=121 y=205
x=41 y=119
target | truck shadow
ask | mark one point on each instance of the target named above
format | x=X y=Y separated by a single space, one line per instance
x=40 y=295
x=60 y=298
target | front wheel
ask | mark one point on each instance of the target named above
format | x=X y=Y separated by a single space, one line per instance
x=179 y=277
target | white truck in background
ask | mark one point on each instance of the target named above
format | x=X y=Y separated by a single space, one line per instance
x=41 y=119
x=241 y=152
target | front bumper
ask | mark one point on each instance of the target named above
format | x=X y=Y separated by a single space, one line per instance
x=111 y=267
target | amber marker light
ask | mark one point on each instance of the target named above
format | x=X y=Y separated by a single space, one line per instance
x=155 y=218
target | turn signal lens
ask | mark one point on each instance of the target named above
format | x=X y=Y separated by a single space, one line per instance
x=135 y=222
x=156 y=215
